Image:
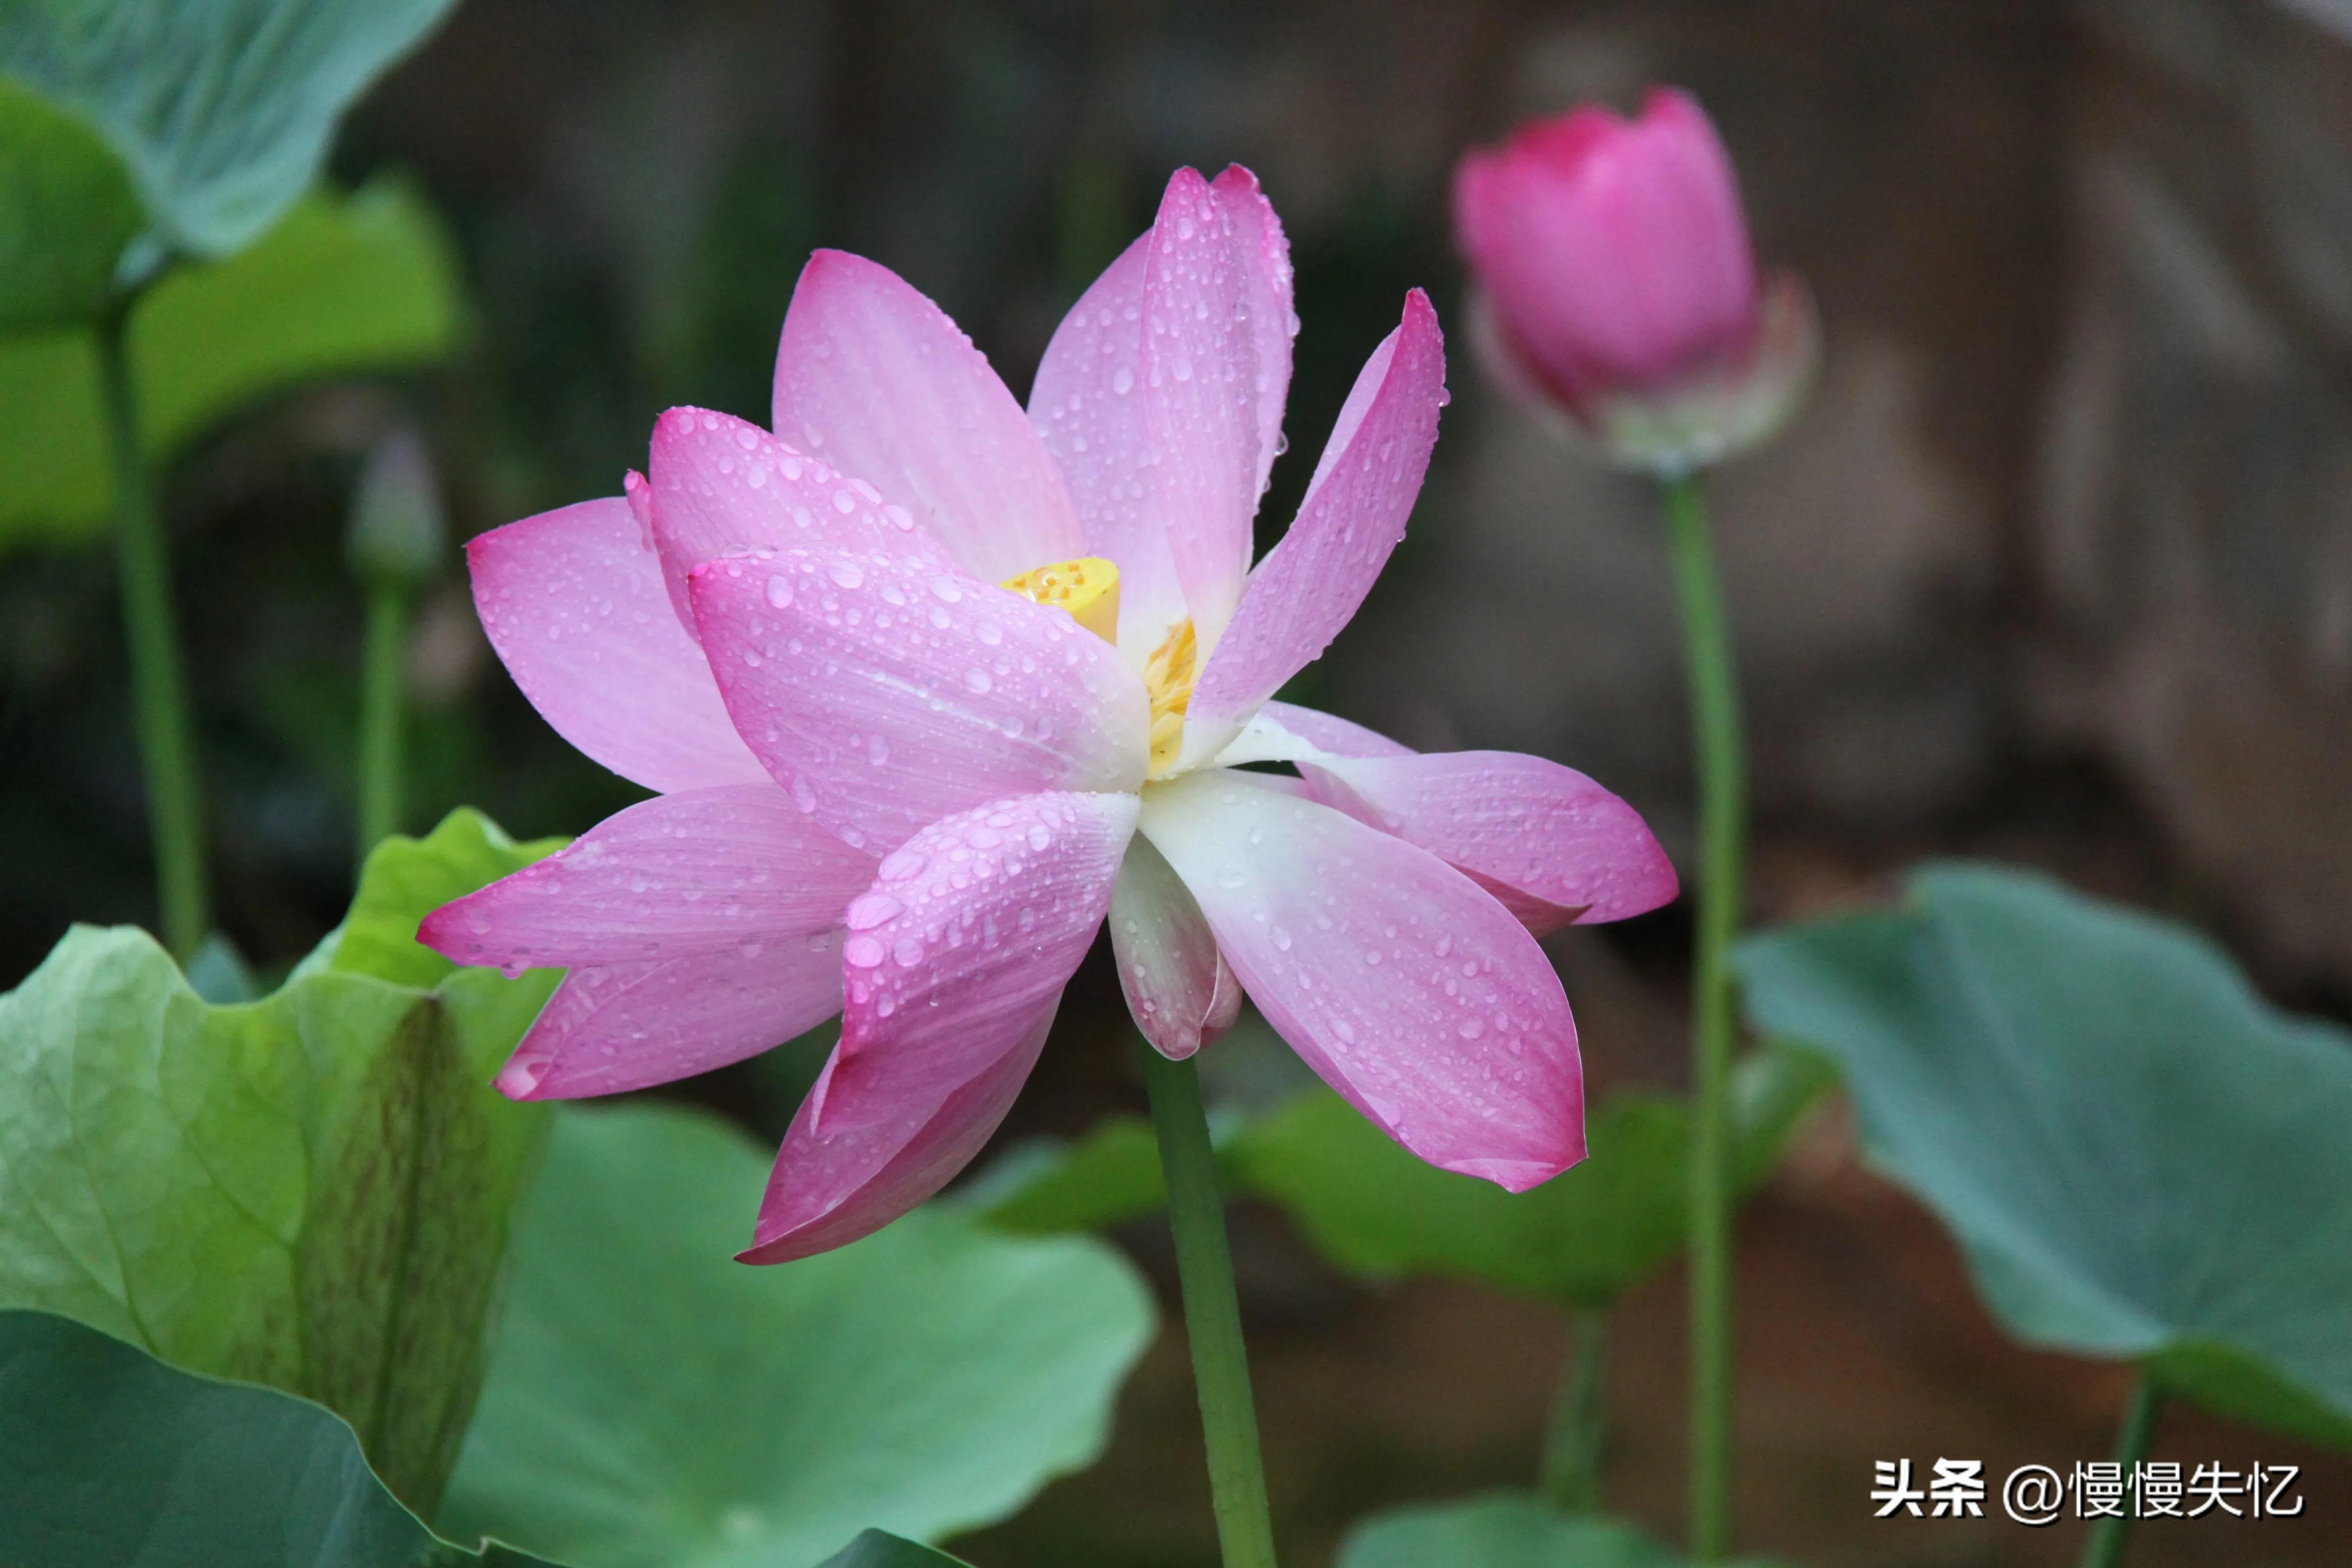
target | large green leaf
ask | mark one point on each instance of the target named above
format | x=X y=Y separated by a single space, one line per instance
x=109 y=1458
x=1107 y=1177
x=221 y=109
x=66 y=213
x=311 y=1191
x=1505 y=1530
x=1582 y=1238
x=877 y=1549
x=2140 y=1157
x=345 y=285
x=654 y=1403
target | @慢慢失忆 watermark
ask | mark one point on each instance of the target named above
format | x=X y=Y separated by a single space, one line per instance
x=2094 y=1488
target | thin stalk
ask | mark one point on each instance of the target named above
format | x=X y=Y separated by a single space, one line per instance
x=1723 y=810
x=159 y=687
x=2107 y=1545
x=1571 y=1462
x=381 y=718
x=1212 y=1315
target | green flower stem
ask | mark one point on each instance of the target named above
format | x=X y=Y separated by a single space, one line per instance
x=2106 y=1547
x=1213 y=1314
x=1723 y=810
x=1571 y=1462
x=158 y=682
x=381 y=761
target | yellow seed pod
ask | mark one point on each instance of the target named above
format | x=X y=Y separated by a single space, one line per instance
x=1086 y=588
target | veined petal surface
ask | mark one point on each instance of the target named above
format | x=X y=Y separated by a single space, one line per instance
x=724 y=869
x=965 y=941
x=723 y=485
x=1309 y=585
x=830 y=1188
x=1178 y=989
x=1408 y=989
x=621 y=1027
x=873 y=378
x=1199 y=397
x=885 y=696
x=573 y=602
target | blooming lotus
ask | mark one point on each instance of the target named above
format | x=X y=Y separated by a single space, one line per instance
x=1617 y=284
x=932 y=687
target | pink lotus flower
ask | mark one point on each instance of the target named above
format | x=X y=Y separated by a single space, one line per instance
x=1617 y=283
x=932 y=687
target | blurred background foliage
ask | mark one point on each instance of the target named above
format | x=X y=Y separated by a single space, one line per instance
x=2057 y=569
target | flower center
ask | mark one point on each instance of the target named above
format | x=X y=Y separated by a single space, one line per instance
x=1088 y=589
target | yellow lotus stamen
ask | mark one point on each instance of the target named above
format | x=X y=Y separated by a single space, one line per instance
x=1168 y=675
x=1086 y=588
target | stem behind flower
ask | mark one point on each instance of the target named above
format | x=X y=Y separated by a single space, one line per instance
x=1213 y=1317
x=158 y=685
x=1722 y=791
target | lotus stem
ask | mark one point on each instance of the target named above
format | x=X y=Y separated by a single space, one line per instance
x=1572 y=1461
x=1722 y=810
x=1212 y=1315
x=159 y=687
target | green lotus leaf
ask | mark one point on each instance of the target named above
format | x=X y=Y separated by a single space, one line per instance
x=110 y=1458
x=2141 y=1159
x=311 y=1191
x=1582 y=1238
x=654 y=1404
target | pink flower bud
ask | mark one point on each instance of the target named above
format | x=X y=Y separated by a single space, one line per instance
x=1617 y=283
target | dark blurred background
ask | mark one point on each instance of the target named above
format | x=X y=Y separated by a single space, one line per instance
x=2056 y=568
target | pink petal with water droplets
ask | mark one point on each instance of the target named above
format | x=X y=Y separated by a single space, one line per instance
x=1526 y=823
x=573 y=600
x=1200 y=399
x=723 y=485
x=1088 y=404
x=1309 y=585
x=874 y=378
x=967 y=937
x=829 y=1189
x=730 y=869
x=885 y=698
x=1408 y=989
x=630 y=1026
x=1263 y=253
x=1167 y=961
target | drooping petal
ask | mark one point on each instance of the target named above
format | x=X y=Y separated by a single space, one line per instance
x=1526 y=823
x=1199 y=397
x=723 y=484
x=874 y=378
x=573 y=600
x=1167 y=961
x=621 y=1027
x=734 y=869
x=829 y=1189
x=1263 y=252
x=885 y=698
x=1552 y=846
x=1088 y=404
x=970 y=931
x=1411 y=991
x=1309 y=585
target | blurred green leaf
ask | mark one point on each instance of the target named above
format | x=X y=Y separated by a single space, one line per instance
x=1107 y=1178
x=221 y=109
x=404 y=880
x=345 y=285
x=2140 y=1157
x=1582 y=1238
x=655 y=1403
x=108 y=1457
x=1504 y=1530
x=311 y=1191
x=66 y=213
x=877 y=1549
